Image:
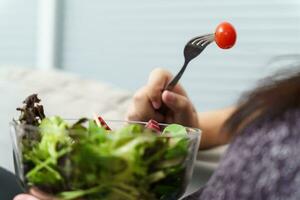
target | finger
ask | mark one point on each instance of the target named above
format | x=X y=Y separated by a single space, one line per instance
x=176 y=102
x=24 y=197
x=134 y=115
x=141 y=108
x=179 y=90
x=40 y=194
x=159 y=77
x=158 y=80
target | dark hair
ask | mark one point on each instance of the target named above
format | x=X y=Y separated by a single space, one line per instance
x=271 y=99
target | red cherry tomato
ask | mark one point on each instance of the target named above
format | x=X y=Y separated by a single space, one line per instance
x=225 y=35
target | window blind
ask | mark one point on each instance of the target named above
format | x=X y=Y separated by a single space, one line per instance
x=122 y=41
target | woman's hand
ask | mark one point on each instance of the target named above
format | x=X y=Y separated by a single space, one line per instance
x=35 y=194
x=150 y=98
x=25 y=197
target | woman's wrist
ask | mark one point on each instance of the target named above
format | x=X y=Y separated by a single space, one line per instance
x=210 y=124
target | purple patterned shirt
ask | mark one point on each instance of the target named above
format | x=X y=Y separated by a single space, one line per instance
x=262 y=163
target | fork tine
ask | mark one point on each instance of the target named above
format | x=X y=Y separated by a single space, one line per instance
x=192 y=41
x=196 y=39
x=199 y=42
x=205 y=41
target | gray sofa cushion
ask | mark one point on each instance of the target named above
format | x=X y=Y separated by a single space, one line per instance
x=61 y=93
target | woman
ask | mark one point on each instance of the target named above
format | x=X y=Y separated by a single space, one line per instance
x=262 y=161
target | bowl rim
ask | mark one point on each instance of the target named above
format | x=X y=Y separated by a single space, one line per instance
x=192 y=132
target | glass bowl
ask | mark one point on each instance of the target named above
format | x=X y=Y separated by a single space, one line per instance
x=159 y=167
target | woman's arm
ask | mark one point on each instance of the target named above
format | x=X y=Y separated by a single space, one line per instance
x=210 y=123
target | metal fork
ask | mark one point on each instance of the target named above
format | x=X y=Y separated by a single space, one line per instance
x=191 y=50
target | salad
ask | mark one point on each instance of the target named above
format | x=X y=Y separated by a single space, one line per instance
x=86 y=159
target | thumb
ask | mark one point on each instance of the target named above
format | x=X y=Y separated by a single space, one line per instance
x=24 y=197
x=175 y=102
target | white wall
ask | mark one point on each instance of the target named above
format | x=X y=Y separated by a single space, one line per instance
x=18 y=32
x=121 y=41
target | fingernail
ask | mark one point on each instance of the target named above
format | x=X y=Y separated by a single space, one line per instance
x=17 y=198
x=155 y=104
x=170 y=96
x=24 y=197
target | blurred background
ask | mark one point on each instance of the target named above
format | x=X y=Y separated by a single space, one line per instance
x=120 y=42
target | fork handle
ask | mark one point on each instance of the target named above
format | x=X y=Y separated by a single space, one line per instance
x=163 y=108
x=175 y=80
